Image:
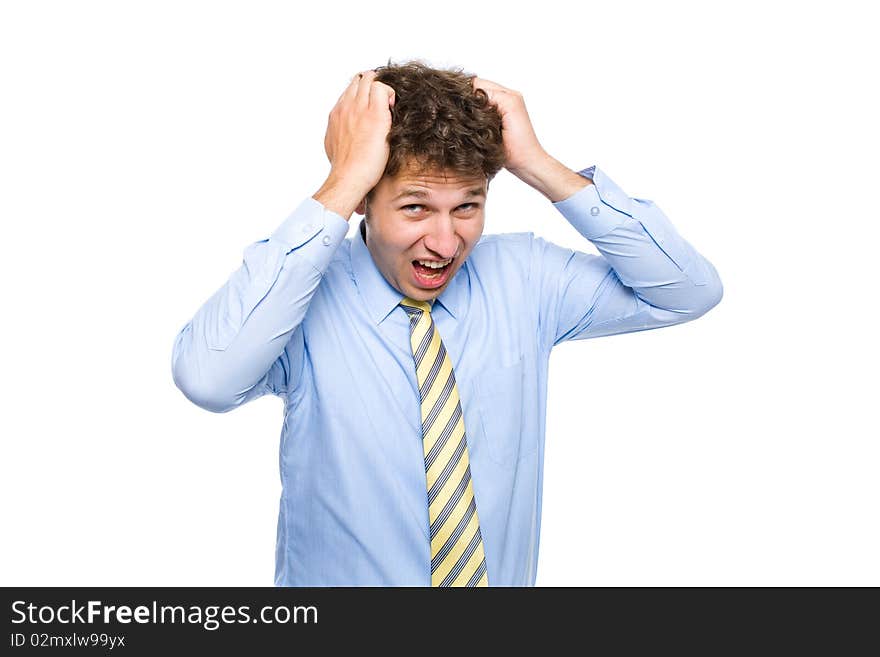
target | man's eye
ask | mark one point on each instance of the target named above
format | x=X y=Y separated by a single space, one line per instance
x=465 y=206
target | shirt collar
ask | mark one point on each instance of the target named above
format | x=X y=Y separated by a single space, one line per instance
x=380 y=296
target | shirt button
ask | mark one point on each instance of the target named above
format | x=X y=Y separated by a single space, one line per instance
x=326 y=240
x=594 y=210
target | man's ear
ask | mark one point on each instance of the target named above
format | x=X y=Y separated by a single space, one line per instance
x=361 y=209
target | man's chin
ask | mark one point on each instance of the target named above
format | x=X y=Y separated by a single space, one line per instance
x=425 y=295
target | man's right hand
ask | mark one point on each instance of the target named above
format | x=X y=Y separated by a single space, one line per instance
x=356 y=143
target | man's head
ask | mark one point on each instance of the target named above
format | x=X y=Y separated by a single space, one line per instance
x=445 y=147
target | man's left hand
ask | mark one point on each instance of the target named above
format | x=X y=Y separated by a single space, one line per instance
x=521 y=146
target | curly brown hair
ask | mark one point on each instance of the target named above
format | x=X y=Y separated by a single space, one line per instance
x=439 y=122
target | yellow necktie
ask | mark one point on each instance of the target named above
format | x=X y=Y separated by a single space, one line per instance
x=457 y=557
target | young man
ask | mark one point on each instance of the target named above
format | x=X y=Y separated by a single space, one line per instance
x=412 y=358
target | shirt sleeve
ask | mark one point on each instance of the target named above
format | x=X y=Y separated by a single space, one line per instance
x=243 y=342
x=646 y=277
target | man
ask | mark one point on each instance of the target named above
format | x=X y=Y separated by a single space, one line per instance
x=412 y=358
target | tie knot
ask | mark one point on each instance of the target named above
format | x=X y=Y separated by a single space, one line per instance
x=409 y=304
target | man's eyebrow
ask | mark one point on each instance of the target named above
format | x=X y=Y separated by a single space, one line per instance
x=422 y=194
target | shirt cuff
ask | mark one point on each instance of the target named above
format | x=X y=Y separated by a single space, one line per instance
x=596 y=209
x=313 y=231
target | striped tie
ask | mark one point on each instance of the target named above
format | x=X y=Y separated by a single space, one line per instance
x=457 y=557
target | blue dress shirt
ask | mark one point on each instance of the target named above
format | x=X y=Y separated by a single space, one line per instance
x=309 y=317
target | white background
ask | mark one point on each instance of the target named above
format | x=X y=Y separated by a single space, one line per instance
x=144 y=145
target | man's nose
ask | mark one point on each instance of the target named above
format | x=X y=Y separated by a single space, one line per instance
x=441 y=238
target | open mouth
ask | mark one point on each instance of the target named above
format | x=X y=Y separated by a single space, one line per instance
x=431 y=274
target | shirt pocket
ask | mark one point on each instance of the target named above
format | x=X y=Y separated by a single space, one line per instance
x=498 y=392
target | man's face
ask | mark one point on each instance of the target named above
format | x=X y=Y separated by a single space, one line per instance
x=418 y=222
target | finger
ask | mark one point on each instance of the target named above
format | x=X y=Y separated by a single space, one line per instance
x=488 y=84
x=349 y=92
x=381 y=95
x=363 y=91
x=353 y=85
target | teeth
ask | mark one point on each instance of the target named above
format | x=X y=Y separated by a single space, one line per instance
x=434 y=265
